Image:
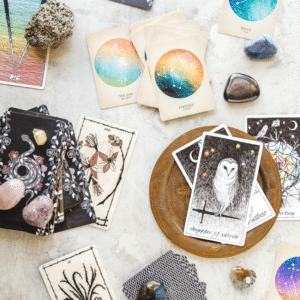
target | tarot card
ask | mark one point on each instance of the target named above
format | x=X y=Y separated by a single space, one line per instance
x=21 y=64
x=146 y=4
x=116 y=67
x=286 y=274
x=78 y=275
x=248 y=18
x=186 y=158
x=280 y=135
x=106 y=150
x=225 y=179
x=178 y=71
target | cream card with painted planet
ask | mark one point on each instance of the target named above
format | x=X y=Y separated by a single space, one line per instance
x=116 y=67
x=285 y=282
x=179 y=77
x=248 y=18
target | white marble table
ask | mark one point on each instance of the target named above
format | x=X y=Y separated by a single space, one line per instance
x=134 y=239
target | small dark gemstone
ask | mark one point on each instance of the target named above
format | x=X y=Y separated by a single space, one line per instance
x=241 y=88
x=262 y=47
x=152 y=290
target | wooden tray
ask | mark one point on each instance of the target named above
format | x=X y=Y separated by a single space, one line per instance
x=170 y=195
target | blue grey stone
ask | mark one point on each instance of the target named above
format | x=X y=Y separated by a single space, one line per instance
x=261 y=48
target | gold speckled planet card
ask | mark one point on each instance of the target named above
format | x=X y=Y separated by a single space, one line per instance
x=222 y=191
x=248 y=18
x=179 y=77
x=106 y=150
x=78 y=275
x=280 y=135
x=285 y=282
x=116 y=67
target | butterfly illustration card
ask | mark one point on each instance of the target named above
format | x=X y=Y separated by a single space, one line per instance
x=78 y=275
x=20 y=64
x=280 y=135
x=179 y=77
x=116 y=67
x=285 y=282
x=106 y=150
x=248 y=18
x=221 y=197
x=145 y=4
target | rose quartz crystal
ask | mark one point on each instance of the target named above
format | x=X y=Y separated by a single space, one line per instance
x=11 y=192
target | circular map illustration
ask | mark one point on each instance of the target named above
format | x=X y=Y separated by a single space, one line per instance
x=117 y=63
x=179 y=73
x=287 y=279
x=253 y=10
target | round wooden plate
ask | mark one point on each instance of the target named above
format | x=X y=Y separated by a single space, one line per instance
x=170 y=195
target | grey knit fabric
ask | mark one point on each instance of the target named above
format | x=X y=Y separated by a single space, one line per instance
x=174 y=271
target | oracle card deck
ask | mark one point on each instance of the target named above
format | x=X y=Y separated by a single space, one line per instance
x=78 y=275
x=186 y=158
x=280 y=135
x=106 y=150
x=224 y=183
x=53 y=170
x=248 y=18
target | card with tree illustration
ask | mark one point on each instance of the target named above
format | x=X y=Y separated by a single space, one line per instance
x=78 y=275
x=223 y=188
x=105 y=150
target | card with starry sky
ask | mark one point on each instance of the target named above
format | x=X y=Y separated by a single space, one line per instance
x=248 y=18
x=285 y=282
x=116 y=67
x=280 y=135
x=226 y=175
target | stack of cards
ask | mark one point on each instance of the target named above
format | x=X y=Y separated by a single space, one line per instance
x=280 y=135
x=249 y=18
x=54 y=170
x=157 y=62
x=226 y=200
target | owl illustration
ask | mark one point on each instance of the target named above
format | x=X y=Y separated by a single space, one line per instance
x=225 y=183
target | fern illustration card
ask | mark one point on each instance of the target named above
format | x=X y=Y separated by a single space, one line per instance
x=78 y=275
x=116 y=67
x=249 y=18
x=226 y=175
x=106 y=150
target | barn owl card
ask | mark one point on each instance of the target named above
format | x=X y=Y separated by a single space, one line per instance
x=226 y=174
x=280 y=135
x=105 y=150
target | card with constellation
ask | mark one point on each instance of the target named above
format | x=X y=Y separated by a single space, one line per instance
x=285 y=282
x=280 y=135
x=78 y=275
x=106 y=150
x=222 y=191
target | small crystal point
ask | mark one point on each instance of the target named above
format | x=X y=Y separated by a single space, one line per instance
x=242 y=278
x=152 y=290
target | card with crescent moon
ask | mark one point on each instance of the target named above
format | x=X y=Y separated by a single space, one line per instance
x=280 y=135
x=78 y=275
x=106 y=150
x=186 y=158
x=223 y=188
x=248 y=18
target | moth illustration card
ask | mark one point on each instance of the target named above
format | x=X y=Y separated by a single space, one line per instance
x=20 y=63
x=116 y=67
x=106 y=150
x=179 y=77
x=285 y=282
x=248 y=18
x=280 y=135
x=225 y=179
x=78 y=275
x=145 y=4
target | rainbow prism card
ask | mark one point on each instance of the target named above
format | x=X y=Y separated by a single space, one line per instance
x=20 y=64
x=248 y=18
x=116 y=67
x=285 y=282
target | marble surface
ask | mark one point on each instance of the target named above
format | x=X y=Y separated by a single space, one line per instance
x=134 y=239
